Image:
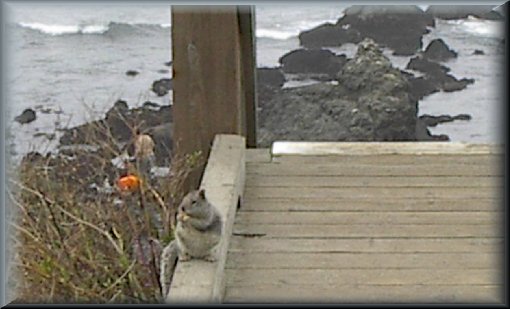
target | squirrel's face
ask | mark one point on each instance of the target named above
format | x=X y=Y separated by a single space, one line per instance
x=191 y=201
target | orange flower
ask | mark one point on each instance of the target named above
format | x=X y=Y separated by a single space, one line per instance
x=129 y=183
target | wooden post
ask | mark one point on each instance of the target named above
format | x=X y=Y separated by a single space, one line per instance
x=210 y=48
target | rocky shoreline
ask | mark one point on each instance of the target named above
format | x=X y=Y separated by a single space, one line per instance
x=363 y=98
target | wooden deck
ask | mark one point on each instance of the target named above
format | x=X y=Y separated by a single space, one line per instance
x=377 y=224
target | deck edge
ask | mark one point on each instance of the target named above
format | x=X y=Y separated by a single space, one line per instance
x=281 y=148
x=199 y=281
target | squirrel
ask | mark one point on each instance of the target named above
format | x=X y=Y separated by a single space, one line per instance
x=197 y=233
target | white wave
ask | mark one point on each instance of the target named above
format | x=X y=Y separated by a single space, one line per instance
x=50 y=29
x=98 y=29
x=65 y=29
x=276 y=34
x=57 y=29
x=482 y=27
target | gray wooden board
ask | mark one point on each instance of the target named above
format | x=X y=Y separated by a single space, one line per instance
x=316 y=260
x=395 y=159
x=382 y=276
x=366 y=293
x=374 y=218
x=452 y=169
x=258 y=155
x=299 y=230
x=373 y=244
x=379 y=192
x=373 y=181
x=313 y=148
x=371 y=204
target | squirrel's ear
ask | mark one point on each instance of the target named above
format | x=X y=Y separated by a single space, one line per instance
x=201 y=193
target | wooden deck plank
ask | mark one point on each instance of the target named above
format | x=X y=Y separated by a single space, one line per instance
x=391 y=230
x=372 y=204
x=270 y=260
x=366 y=294
x=392 y=159
x=298 y=276
x=375 y=245
x=379 y=192
x=373 y=218
x=308 y=148
x=453 y=169
x=318 y=181
x=258 y=155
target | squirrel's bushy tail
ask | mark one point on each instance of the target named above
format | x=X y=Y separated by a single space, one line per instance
x=168 y=262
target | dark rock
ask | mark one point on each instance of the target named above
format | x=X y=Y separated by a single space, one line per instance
x=269 y=82
x=437 y=50
x=369 y=103
x=270 y=77
x=132 y=73
x=436 y=77
x=432 y=121
x=116 y=121
x=162 y=87
x=169 y=63
x=27 y=116
x=451 y=84
x=163 y=142
x=164 y=71
x=478 y=52
x=421 y=87
x=328 y=35
x=399 y=27
x=119 y=124
x=463 y=11
x=423 y=133
x=313 y=61
x=426 y=66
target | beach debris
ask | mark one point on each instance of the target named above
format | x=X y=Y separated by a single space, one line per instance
x=132 y=73
x=27 y=116
x=162 y=87
x=49 y=136
x=129 y=183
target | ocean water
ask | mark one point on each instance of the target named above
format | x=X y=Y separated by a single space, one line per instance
x=71 y=59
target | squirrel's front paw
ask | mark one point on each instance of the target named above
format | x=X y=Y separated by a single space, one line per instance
x=182 y=217
x=210 y=258
x=184 y=257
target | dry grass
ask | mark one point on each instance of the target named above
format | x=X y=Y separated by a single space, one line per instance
x=76 y=244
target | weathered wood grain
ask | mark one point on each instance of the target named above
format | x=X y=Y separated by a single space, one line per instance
x=372 y=218
x=370 y=148
x=390 y=230
x=453 y=169
x=363 y=244
x=318 y=181
x=298 y=276
x=372 y=204
x=392 y=159
x=283 y=293
x=379 y=192
x=325 y=260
